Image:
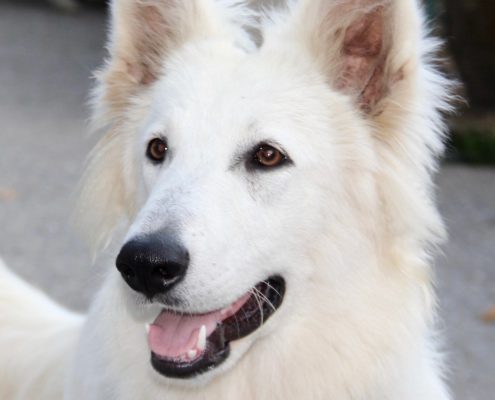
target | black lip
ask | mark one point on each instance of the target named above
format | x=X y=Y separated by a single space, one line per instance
x=248 y=319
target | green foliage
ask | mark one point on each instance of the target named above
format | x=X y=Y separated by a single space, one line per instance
x=474 y=145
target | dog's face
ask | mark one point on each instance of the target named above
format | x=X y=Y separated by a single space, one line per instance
x=231 y=176
x=231 y=182
x=227 y=152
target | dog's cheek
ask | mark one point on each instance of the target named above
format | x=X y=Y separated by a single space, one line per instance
x=150 y=174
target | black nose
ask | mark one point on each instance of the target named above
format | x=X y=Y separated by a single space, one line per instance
x=152 y=265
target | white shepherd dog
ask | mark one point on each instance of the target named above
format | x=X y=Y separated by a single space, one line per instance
x=279 y=208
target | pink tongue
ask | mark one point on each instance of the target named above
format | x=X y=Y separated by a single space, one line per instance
x=173 y=335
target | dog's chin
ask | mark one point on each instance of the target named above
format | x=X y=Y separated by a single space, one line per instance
x=192 y=348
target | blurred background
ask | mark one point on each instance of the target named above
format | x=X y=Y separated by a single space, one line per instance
x=48 y=50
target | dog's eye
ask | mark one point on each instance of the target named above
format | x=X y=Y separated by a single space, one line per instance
x=157 y=150
x=267 y=156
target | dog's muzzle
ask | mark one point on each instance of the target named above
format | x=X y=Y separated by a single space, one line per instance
x=186 y=344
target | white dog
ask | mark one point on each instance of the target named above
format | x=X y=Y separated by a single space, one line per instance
x=279 y=208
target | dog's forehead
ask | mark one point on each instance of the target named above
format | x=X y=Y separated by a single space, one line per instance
x=201 y=76
x=219 y=88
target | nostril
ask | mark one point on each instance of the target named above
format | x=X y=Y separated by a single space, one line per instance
x=127 y=272
x=167 y=272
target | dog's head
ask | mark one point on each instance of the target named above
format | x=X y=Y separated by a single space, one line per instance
x=250 y=175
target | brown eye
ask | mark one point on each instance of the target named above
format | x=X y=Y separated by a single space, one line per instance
x=268 y=156
x=157 y=150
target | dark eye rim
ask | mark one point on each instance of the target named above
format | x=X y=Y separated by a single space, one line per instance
x=253 y=163
x=149 y=154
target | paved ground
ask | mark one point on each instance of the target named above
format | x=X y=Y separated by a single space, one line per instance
x=46 y=61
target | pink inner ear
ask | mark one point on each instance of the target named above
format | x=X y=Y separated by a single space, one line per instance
x=155 y=22
x=363 y=64
x=152 y=37
x=364 y=38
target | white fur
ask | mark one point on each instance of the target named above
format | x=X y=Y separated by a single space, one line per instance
x=37 y=341
x=351 y=225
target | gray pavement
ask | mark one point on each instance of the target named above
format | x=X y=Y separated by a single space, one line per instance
x=46 y=61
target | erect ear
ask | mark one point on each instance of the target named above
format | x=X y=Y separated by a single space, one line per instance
x=366 y=44
x=355 y=43
x=144 y=32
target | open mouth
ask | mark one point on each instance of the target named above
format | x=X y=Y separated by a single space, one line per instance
x=185 y=345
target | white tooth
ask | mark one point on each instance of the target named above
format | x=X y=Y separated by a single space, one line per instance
x=201 y=338
x=192 y=354
x=147 y=328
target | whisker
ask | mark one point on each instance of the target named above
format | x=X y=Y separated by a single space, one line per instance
x=237 y=325
x=266 y=300
x=255 y=292
x=272 y=288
